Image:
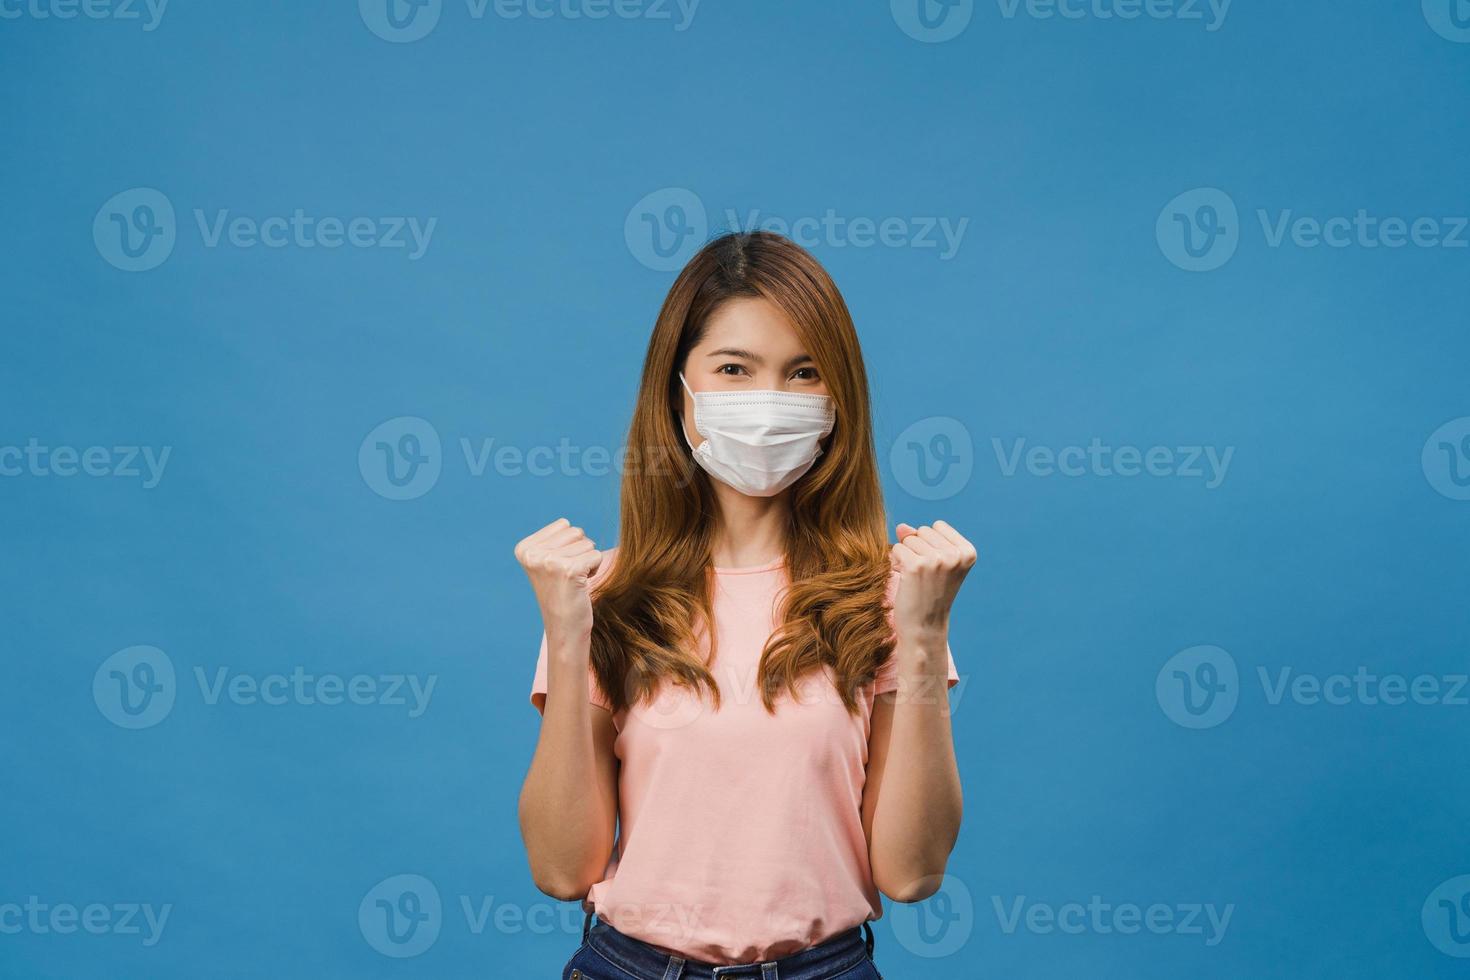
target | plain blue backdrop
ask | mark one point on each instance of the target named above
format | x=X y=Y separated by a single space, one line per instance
x=1124 y=269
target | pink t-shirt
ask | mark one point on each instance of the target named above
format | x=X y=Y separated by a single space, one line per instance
x=740 y=832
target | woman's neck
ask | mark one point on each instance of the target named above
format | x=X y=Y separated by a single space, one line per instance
x=749 y=531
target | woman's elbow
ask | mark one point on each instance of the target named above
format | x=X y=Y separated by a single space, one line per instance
x=908 y=889
x=562 y=887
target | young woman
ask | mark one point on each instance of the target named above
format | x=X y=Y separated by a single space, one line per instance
x=752 y=687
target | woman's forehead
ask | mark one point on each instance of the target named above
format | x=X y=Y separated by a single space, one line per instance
x=751 y=324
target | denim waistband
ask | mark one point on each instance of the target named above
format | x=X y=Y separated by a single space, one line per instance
x=826 y=959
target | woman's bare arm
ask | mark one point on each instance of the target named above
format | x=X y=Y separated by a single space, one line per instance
x=912 y=802
x=569 y=802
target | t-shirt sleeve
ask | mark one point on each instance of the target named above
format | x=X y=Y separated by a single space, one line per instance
x=887 y=678
x=538 y=683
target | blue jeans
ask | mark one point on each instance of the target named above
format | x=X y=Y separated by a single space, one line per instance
x=606 y=954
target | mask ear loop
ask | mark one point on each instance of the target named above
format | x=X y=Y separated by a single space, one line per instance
x=684 y=431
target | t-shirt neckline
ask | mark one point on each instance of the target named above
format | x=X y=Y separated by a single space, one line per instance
x=750 y=569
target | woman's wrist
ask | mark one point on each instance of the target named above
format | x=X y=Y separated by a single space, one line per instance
x=568 y=643
x=922 y=648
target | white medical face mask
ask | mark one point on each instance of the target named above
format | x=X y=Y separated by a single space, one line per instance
x=759 y=442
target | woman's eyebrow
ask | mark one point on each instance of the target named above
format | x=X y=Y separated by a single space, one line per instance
x=796 y=361
x=736 y=352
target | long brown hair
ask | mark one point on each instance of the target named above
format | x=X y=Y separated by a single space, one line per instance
x=659 y=588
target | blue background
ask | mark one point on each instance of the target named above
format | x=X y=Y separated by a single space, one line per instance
x=1060 y=319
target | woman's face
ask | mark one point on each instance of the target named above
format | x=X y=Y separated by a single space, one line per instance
x=748 y=345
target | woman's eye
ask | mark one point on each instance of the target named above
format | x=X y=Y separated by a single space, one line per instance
x=805 y=374
x=732 y=369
